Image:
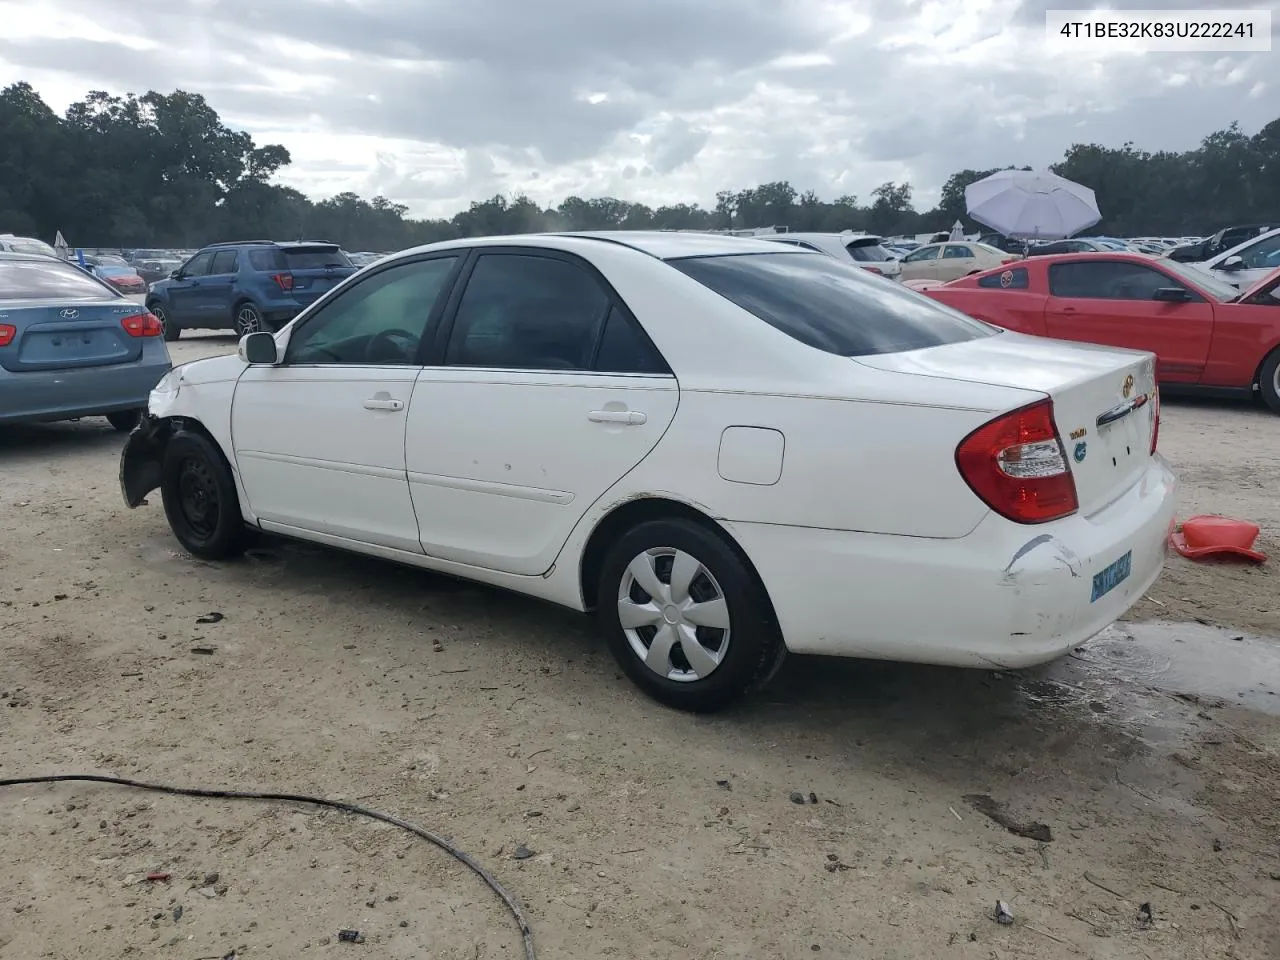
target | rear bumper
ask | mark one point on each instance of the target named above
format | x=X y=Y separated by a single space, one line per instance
x=47 y=395
x=1005 y=596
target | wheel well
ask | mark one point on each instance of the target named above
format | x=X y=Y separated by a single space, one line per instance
x=1257 y=374
x=631 y=514
x=179 y=424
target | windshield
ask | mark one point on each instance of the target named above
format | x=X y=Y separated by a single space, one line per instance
x=830 y=305
x=1211 y=285
x=49 y=280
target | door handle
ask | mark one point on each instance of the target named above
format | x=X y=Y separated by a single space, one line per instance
x=1068 y=309
x=630 y=417
x=383 y=402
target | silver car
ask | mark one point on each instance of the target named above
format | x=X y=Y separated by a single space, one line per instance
x=72 y=347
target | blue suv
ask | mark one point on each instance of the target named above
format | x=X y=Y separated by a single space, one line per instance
x=247 y=286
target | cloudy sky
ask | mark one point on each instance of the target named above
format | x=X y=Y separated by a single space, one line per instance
x=438 y=102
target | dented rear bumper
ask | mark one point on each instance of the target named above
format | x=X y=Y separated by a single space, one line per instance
x=142 y=459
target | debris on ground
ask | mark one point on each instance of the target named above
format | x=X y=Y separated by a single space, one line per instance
x=1003 y=914
x=204 y=650
x=522 y=853
x=212 y=616
x=1145 y=915
x=350 y=936
x=996 y=811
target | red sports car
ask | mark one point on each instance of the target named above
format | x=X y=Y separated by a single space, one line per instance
x=1206 y=335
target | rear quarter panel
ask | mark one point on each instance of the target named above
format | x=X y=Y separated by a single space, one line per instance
x=1018 y=310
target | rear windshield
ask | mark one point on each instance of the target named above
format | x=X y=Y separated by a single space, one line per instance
x=49 y=280
x=32 y=246
x=314 y=258
x=832 y=306
x=865 y=252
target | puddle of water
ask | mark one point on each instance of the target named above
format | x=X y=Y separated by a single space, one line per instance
x=1179 y=658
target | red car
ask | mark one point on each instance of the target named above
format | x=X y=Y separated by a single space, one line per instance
x=1205 y=334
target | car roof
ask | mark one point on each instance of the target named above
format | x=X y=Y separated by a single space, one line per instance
x=670 y=245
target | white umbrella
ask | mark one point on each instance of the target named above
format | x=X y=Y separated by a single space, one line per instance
x=957 y=231
x=1032 y=206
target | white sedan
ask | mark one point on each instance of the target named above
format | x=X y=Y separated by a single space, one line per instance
x=725 y=448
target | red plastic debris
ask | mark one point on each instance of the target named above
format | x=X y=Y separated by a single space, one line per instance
x=157 y=876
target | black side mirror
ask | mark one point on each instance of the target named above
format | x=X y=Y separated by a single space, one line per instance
x=1171 y=294
x=258 y=348
x=175 y=274
x=1232 y=264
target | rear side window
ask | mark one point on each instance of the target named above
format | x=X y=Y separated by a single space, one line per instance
x=625 y=349
x=224 y=261
x=51 y=280
x=1015 y=279
x=829 y=305
x=313 y=258
x=266 y=258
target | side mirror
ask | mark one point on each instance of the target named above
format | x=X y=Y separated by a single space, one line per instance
x=1232 y=263
x=175 y=274
x=258 y=348
x=1171 y=294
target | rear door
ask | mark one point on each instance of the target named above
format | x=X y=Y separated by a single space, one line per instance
x=957 y=260
x=544 y=393
x=316 y=269
x=1112 y=302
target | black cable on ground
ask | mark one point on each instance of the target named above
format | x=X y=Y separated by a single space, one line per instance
x=512 y=904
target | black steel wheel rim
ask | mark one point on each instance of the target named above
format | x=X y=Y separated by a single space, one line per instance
x=198 y=497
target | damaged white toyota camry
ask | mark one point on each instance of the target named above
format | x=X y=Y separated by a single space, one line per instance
x=726 y=449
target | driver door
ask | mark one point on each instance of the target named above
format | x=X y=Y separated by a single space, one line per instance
x=319 y=437
x=921 y=264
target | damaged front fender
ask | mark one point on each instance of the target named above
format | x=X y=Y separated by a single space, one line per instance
x=142 y=459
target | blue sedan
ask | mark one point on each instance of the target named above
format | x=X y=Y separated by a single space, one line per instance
x=72 y=347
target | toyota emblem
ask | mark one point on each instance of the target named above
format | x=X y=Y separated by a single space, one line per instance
x=69 y=314
x=1127 y=387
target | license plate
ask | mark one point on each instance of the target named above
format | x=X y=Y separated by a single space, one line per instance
x=1104 y=581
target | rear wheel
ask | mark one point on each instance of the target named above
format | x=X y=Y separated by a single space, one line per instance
x=685 y=616
x=200 y=498
x=1269 y=381
x=171 y=330
x=124 y=420
x=249 y=319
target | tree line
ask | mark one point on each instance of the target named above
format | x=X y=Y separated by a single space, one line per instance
x=163 y=170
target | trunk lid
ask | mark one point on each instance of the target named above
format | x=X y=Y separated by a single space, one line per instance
x=1104 y=402
x=64 y=337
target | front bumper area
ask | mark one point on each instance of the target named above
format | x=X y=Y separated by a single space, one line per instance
x=142 y=458
x=1007 y=595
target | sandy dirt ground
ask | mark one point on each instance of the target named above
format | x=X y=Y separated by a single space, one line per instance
x=1143 y=769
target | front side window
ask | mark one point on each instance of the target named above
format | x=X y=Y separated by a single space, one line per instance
x=831 y=306
x=1107 y=280
x=1262 y=255
x=198 y=266
x=380 y=320
x=924 y=253
x=523 y=312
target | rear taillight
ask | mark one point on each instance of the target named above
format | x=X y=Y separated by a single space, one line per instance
x=1008 y=260
x=1017 y=466
x=875 y=270
x=142 y=325
x=283 y=280
x=7 y=332
x=1155 y=412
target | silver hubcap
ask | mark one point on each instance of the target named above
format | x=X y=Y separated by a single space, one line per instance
x=158 y=313
x=1275 y=382
x=674 y=614
x=247 y=318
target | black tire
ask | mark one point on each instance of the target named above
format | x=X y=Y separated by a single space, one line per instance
x=247 y=318
x=1269 y=381
x=171 y=330
x=200 y=498
x=754 y=650
x=124 y=420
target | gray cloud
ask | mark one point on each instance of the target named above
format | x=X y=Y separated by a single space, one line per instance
x=662 y=100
